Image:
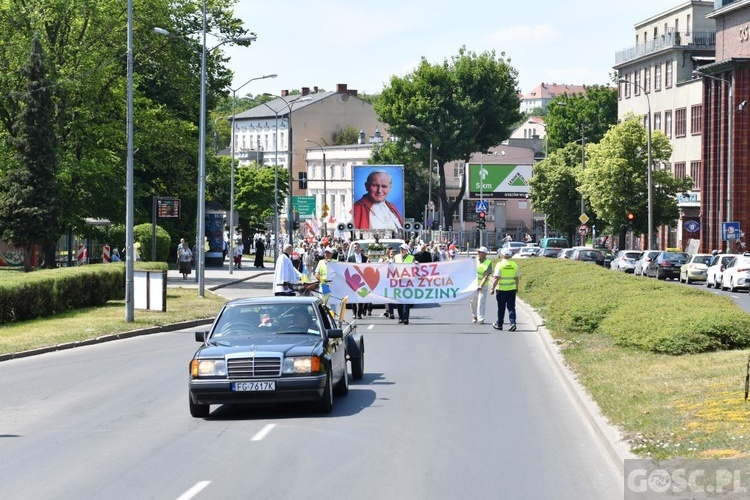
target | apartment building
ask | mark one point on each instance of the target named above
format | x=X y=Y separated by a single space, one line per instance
x=657 y=83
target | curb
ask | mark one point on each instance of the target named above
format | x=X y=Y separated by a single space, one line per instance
x=125 y=335
x=607 y=434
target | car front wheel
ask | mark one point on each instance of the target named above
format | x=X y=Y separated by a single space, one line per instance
x=325 y=404
x=198 y=411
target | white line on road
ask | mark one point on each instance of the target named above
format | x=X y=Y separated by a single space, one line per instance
x=263 y=432
x=371 y=327
x=200 y=486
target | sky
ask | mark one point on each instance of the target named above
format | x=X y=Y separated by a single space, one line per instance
x=363 y=44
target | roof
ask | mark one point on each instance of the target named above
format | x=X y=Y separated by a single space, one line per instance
x=282 y=105
x=254 y=301
x=552 y=90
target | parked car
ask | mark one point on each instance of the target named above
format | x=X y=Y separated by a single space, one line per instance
x=625 y=260
x=514 y=247
x=554 y=243
x=552 y=252
x=526 y=252
x=565 y=253
x=273 y=350
x=695 y=268
x=642 y=263
x=736 y=274
x=608 y=256
x=588 y=254
x=716 y=267
x=667 y=265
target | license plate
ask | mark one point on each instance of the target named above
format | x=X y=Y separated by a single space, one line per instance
x=254 y=386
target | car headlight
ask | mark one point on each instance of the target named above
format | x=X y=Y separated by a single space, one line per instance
x=302 y=365
x=208 y=368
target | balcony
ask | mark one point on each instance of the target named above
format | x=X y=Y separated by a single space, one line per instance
x=704 y=40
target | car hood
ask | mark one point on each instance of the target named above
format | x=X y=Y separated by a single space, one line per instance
x=287 y=344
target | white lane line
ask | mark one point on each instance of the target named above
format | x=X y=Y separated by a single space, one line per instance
x=189 y=494
x=263 y=432
x=371 y=327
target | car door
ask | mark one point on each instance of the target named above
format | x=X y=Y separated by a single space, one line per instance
x=336 y=347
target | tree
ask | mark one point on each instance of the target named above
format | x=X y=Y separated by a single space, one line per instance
x=615 y=177
x=554 y=188
x=571 y=116
x=347 y=135
x=254 y=190
x=464 y=105
x=30 y=201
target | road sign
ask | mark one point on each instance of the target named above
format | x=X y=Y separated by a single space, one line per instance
x=481 y=206
x=583 y=218
x=583 y=229
x=730 y=231
x=692 y=226
x=305 y=205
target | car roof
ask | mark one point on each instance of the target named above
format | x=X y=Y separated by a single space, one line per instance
x=255 y=301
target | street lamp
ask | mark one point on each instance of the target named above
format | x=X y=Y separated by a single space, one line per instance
x=429 y=192
x=231 y=175
x=129 y=209
x=650 y=240
x=325 y=192
x=275 y=186
x=289 y=104
x=730 y=146
x=200 y=237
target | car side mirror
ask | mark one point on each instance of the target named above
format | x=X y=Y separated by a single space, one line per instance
x=201 y=337
x=335 y=333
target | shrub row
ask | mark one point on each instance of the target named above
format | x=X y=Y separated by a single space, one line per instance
x=43 y=293
x=642 y=313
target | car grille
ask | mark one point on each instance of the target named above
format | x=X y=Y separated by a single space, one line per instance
x=254 y=367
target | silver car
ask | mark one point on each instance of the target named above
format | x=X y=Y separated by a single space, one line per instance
x=625 y=260
x=642 y=263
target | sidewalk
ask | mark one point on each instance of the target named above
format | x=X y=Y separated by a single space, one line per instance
x=219 y=277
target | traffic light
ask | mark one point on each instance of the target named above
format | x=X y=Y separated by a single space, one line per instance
x=631 y=220
x=482 y=220
x=303 y=180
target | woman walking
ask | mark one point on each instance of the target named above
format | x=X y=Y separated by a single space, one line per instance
x=184 y=259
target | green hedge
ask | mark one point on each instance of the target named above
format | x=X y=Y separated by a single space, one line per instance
x=43 y=293
x=578 y=298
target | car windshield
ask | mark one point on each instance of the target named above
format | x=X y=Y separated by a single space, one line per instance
x=631 y=255
x=701 y=259
x=675 y=256
x=260 y=320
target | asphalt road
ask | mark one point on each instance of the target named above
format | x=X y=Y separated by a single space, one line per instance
x=446 y=410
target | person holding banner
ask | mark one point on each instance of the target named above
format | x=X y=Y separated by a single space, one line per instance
x=373 y=210
x=478 y=301
x=358 y=257
x=405 y=258
x=505 y=287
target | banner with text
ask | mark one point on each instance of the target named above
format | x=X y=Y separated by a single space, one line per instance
x=414 y=283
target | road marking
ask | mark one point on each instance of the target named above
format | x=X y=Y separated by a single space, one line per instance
x=263 y=432
x=200 y=486
x=371 y=327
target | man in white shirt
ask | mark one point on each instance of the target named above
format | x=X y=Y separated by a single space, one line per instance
x=285 y=273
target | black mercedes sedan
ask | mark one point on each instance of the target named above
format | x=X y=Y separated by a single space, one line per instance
x=274 y=350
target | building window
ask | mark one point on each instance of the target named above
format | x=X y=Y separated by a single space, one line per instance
x=314 y=171
x=657 y=121
x=637 y=83
x=668 y=123
x=458 y=169
x=679 y=170
x=696 y=119
x=695 y=174
x=657 y=77
x=647 y=79
x=668 y=75
x=680 y=125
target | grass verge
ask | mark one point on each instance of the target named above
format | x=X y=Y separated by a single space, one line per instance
x=690 y=405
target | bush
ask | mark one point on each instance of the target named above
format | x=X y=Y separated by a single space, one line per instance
x=645 y=314
x=142 y=233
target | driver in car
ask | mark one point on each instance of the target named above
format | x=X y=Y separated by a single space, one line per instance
x=303 y=321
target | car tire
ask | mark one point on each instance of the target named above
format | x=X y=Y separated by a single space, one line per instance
x=358 y=364
x=732 y=288
x=325 y=404
x=688 y=280
x=198 y=411
x=342 y=388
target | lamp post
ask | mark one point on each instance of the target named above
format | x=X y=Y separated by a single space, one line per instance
x=289 y=104
x=325 y=191
x=200 y=236
x=730 y=145
x=129 y=209
x=231 y=174
x=429 y=192
x=650 y=240
x=275 y=186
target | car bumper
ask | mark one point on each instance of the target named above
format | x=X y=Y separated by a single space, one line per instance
x=668 y=273
x=288 y=390
x=697 y=275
